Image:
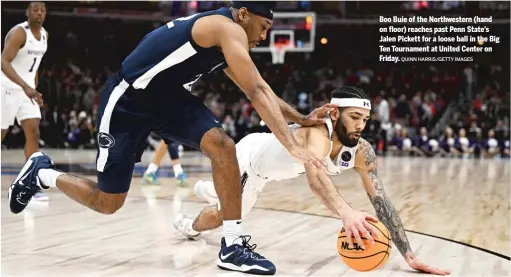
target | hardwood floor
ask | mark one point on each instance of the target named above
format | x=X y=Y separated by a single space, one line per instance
x=462 y=200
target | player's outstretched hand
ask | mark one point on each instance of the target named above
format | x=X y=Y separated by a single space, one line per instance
x=317 y=116
x=34 y=95
x=308 y=157
x=355 y=223
x=416 y=264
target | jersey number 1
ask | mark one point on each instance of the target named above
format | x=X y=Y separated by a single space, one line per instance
x=32 y=67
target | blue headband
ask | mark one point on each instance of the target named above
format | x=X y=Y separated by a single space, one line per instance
x=261 y=8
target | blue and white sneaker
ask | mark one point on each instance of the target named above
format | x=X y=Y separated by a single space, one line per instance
x=182 y=179
x=242 y=258
x=151 y=178
x=27 y=182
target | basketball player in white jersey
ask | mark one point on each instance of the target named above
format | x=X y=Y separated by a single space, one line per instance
x=263 y=159
x=25 y=46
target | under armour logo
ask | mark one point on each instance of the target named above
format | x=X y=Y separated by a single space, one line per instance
x=366 y=104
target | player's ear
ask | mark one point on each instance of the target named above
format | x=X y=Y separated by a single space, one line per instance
x=335 y=114
x=242 y=14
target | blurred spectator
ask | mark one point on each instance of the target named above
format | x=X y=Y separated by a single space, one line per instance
x=412 y=96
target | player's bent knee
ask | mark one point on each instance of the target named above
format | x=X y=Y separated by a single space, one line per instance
x=216 y=143
x=108 y=203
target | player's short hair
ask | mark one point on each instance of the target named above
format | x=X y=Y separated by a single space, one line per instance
x=260 y=8
x=349 y=92
x=35 y=2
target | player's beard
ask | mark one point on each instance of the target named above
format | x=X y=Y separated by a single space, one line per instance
x=344 y=136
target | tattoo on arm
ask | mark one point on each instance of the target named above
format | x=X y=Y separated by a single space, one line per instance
x=385 y=211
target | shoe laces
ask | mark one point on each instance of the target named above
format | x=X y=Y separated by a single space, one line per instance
x=248 y=249
x=246 y=245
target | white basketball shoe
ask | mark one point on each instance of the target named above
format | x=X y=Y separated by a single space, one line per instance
x=184 y=225
x=205 y=190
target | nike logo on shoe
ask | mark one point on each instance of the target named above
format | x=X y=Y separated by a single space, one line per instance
x=226 y=256
x=19 y=197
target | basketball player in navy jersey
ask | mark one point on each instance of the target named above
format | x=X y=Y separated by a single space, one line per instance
x=25 y=46
x=262 y=159
x=151 y=93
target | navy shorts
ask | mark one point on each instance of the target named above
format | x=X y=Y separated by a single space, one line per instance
x=126 y=117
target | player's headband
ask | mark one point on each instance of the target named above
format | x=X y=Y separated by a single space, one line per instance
x=352 y=102
x=262 y=8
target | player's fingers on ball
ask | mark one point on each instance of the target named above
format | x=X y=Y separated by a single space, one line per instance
x=358 y=239
x=374 y=232
x=365 y=231
x=349 y=237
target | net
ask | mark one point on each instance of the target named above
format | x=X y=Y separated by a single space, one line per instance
x=278 y=51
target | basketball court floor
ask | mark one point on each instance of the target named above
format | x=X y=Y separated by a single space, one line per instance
x=456 y=213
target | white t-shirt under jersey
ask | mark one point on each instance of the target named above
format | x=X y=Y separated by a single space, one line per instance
x=27 y=61
x=270 y=160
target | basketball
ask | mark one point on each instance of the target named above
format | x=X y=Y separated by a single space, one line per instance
x=373 y=257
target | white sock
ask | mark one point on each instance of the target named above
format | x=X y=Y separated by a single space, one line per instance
x=177 y=169
x=232 y=231
x=152 y=168
x=49 y=177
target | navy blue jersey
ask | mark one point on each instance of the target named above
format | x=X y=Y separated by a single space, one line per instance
x=169 y=57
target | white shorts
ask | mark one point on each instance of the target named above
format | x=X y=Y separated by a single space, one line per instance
x=16 y=105
x=251 y=184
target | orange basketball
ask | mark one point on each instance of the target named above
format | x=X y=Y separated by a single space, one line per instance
x=373 y=257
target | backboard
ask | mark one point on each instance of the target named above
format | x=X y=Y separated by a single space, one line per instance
x=291 y=32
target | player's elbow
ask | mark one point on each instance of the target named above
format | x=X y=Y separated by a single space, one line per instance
x=256 y=92
x=5 y=62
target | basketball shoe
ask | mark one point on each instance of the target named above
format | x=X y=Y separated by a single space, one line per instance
x=27 y=183
x=184 y=225
x=205 y=190
x=151 y=177
x=242 y=258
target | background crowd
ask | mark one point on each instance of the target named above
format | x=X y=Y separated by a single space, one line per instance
x=437 y=109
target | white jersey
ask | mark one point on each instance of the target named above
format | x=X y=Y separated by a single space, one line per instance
x=271 y=161
x=26 y=63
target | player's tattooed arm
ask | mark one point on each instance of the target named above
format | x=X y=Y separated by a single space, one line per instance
x=385 y=210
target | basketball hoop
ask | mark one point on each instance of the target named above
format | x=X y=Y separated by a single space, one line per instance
x=278 y=51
